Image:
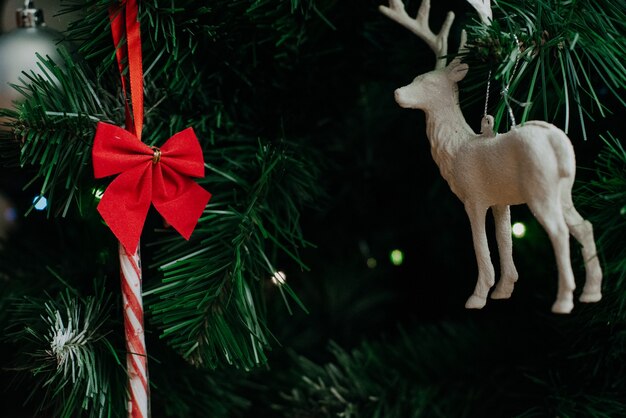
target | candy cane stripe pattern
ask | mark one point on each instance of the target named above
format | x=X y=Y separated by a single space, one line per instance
x=136 y=357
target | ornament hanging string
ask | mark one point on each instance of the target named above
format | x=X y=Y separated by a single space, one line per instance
x=487 y=94
x=487 y=122
x=505 y=90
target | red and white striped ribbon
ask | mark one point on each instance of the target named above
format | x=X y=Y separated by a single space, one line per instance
x=136 y=357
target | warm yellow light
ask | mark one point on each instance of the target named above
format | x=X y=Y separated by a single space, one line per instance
x=371 y=262
x=279 y=278
x=518 y=229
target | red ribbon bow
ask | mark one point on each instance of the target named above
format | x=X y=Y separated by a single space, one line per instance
x=148 y=175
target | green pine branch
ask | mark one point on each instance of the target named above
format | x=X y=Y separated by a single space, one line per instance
x=237 y=41
x=54 y=124
x=90 y=32
x=555 y=57
x=604 y=196
x=66 y=355
x=415 y=374
x=209 y=305
x=464 y=369
x=181 y=390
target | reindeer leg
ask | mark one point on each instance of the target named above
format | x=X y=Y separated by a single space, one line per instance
x=486 y=274
x=550 y=215
x=508 y=272
x=582 y=230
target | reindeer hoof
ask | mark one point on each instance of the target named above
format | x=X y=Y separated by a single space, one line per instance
x=475 y=302
x=563 y=306
x=500 y=292
x=590 y=296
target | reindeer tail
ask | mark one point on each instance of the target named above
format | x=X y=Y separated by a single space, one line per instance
x=564 y=152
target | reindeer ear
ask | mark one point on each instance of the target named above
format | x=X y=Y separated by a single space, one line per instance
x=457 y=70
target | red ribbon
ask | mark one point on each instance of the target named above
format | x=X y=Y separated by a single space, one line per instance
x=147 y=175
x=124 y=23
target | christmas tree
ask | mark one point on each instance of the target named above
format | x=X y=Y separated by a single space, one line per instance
x=328 y=272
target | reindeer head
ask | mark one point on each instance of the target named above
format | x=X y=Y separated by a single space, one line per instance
x=436 y=87
x=432 y=89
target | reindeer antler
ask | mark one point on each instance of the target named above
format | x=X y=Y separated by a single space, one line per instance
x=483 y=7
x=419 y=26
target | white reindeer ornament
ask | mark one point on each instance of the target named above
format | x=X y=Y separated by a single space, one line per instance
x=533 y=163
